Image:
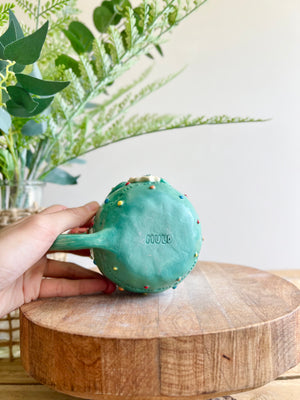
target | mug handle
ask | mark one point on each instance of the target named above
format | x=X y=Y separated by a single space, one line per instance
x=76 y=241
x=104 y=239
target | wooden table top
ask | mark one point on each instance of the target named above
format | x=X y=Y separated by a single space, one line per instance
x=16 y=384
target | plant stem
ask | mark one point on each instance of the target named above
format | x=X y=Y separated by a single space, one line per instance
x=37 y=160
x=10 y=145
x=37 y=17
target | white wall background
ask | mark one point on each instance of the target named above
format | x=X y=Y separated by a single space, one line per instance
x=243 y=59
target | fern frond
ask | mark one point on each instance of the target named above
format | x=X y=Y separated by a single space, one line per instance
x=115 y=44
x=88 y=78
x=74 y=92
x=27 y=6
x=153 y=11
x=52 y=127
x=145 y=15
x=79 y=129
x=59 y=24
x=80 y=144
x=62 y=108
x=52 y=7
x=121 y=92
x=4 y=12
x=102 y=60
x=151 y=123
x=109 y=114
x=137 y=125
x=131 y=32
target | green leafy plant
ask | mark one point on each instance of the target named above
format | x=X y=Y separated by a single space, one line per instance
x=46 y=122
x=22 y=95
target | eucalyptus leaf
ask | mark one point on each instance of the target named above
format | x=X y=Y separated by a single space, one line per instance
x=80 y=36
x=61 y=177
x=17 y=68
x=29 y=158
x=68 y=62
x=33 y=128
x=75 y=42
x=5 y=120
x=13 y=32
x=109 y=13
x=103 y=17
x=22 y=98
x=1 y=51
x=19 y=111
x=40 y=86
x=9 y=35
x=5 y=96
x=27 y=50
x=18 y=29
x=3 y=65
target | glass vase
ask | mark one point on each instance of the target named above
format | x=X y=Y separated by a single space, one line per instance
x=21 y=195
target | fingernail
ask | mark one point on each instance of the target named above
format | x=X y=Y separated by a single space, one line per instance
x=111 y=287
x=92 y=206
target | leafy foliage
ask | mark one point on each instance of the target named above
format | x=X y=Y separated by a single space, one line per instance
x=37 y=11
x=4 y=9
x=21 y=95
x=49 y=128
x=17 y=52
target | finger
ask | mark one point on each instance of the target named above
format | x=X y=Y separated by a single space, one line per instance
x=53 y=209
x=80 y=229
x=62 y=269
x=66 y=287
x=71 y=217
x=111 y=287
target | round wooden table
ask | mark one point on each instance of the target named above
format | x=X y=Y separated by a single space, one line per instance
x=225 y=329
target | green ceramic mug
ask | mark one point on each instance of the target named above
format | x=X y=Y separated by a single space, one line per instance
x=146 y=237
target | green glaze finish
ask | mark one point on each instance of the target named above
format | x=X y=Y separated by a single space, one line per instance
x=147 y=243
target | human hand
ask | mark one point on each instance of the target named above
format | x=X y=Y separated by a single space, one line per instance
x=25 y=269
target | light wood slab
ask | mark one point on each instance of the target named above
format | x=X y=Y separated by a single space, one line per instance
x=225 y=329
x=277 y=390
x=15 y=384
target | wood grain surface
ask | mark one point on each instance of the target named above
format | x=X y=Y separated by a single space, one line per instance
x=16 y=384
x=225 y=329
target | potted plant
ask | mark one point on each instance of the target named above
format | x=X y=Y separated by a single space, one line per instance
x=57 y=96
